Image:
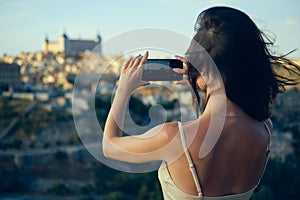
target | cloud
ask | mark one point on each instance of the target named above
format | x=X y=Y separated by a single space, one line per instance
x=290 y=22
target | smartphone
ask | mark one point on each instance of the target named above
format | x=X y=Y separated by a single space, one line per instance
x=161 y=70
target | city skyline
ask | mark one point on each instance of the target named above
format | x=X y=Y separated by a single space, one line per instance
x=25 y=24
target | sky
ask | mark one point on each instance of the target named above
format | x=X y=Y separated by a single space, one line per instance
x=24 y=24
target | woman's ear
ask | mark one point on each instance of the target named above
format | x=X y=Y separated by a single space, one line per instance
x=204 y=70
x=201 y=83
x=203 y=73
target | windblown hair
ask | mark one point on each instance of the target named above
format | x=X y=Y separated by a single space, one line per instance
x=240 y=52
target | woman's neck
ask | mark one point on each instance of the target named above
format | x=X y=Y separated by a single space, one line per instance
x=220 y=105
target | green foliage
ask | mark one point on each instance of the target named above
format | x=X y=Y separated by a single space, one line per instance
x=60 y=155
x=4 y=87
x=136 y=108
x=58 y=189
x=29 y=126
x=17 y=143
x=87 y=198
x=280 y=181
x=102 y=106
x=264 y=193
x=10 y=109
x=139 y=111
x=145 y=186
x=86 y=189
x=296 y=142
x=116 y=195
x=143 y=192
x=169 y=104
x=7 y=109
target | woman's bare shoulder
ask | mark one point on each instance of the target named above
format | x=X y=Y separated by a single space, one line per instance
x=169 y=130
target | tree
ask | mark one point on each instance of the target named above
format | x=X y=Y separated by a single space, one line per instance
x=116 y=195
x=60 y=155
x=58 y=189
x=143 y=192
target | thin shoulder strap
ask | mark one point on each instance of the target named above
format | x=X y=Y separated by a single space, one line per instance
x=269 y=131
x=268 y=148
x=188 y=156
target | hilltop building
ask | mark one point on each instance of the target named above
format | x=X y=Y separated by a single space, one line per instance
x=70 y=46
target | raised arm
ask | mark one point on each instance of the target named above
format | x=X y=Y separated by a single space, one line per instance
x=155 y=144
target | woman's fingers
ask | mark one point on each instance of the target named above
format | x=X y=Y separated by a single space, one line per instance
x=131 y=63
x=182 y=59
x=126 y=65
x=137 y=61
x=182 y=82
x=145 y=57
x=180 y=71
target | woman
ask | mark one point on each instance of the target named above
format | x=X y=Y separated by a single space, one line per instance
x=234 y=163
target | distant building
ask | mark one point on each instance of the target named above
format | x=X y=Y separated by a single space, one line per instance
x=69 y=46
x=10 y=76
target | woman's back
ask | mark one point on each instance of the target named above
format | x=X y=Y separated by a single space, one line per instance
x=234 y=165
x=229 y=61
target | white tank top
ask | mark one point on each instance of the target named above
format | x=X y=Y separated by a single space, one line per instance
x=172 y=192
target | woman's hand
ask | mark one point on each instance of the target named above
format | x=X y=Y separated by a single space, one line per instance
x=131 y=74
x=181 y=71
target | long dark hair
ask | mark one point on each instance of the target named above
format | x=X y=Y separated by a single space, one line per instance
x=240 y=52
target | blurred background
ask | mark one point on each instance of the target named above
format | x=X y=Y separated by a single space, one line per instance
x=43 y=46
